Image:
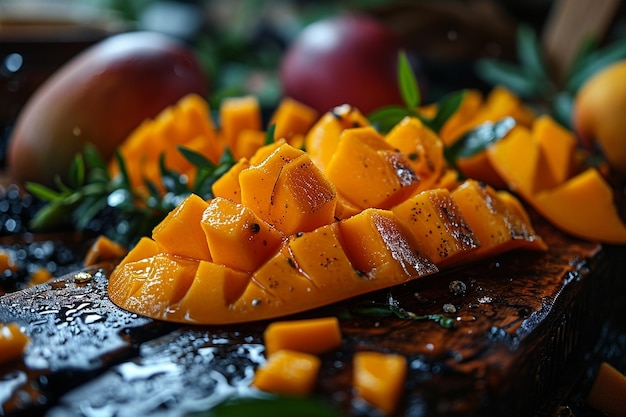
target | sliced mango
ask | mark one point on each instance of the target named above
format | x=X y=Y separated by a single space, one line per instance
x=236 y=115
x=497 y=227
x=441 y=233
x=314 y=336
x=583 y=206
x=12 y=342
x=292 y=121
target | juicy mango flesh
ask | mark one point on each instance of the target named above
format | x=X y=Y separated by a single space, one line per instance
x=283 y=249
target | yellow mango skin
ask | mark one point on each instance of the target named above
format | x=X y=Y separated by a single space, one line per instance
x=315 y=336
x=583 y=206
x=214 y=288
x=497 y=227
x=379 y=378
x=175 y=235
x=441 y=233
x=368 y=171
x=12 y=342
x=237 y=237
x=288 y=372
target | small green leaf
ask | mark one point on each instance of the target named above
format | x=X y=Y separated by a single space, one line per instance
x=196 y=159
x=386 y=118
x=42 y=192
x=529 y=53
x=93 y=158
x=270 y=406
x=51 y=216
x=87 y=209
x=479 y=139
x=407 y=82
x=594 y=62
x=447 y=106
x=76 y=175
x=496 y=72
x=123 y=177
x=562 y=108
x=270 y=134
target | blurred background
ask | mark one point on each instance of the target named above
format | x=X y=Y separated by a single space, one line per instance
x=241 y=42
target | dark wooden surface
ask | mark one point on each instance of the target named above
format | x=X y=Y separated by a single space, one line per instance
x=529 y=332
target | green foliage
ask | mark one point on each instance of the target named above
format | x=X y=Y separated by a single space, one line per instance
x=386 y=117
x=90 y=190
x=270 y=406
x=531 y=79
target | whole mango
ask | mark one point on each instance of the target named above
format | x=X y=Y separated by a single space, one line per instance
x=599 y=114
x=346 y=59
x=99 y=97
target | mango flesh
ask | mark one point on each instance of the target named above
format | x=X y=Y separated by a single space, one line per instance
x=100 y=97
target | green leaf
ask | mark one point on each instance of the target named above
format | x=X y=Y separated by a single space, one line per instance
x=447 y=106
x=407 y=82
x=271 y=406
x=594 y=62
x=478 y=139
x=93 y=158
x=387 y=117
x=51 y=216
x=270 y=134
x=76 y=175
x=562 y=108
x=196 y=159
x=87 y=209
x=496 y=72
x=42 y=192
x=123 y=177
x=529 y=53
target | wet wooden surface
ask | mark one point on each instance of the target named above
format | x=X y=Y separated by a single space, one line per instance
x=529 y=330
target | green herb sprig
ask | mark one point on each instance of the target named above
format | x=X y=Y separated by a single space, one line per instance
x=531 y=79
x=386 y=117
x=90 y=192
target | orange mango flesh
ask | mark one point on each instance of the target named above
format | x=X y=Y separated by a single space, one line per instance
x=314 y=336
x=292 y=121
x=608 y=391
x=289 y=230
x=236 y=115
x=379 y=378
x=537 y=164
x=12 y=342
x=104 y=249
x=288 y=372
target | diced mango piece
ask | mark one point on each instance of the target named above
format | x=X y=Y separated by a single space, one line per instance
x=145 y=248
x=322 y=139
x=39 y=276
x=423 y=148
x=288 y=373
x=557 y=148
x=236 y=236
x=175 y=235
x=368 y=171
x=237 y=114
x=608 y=391
x=314 y=336
x=379 y=378
x=12 y=342
x=441 y=233
x=104 y=249
x=227 y=186
x=213 y=290
x=288 y=191
x=292 y=120
x=379 y=247
x=497 y=227
x=248 y=142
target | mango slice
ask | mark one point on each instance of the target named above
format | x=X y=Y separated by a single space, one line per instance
x=441 y=232
x=12 y=342
x=236 y=115
x=314 y=336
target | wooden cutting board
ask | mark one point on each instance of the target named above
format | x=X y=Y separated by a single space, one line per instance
x=528 y=327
